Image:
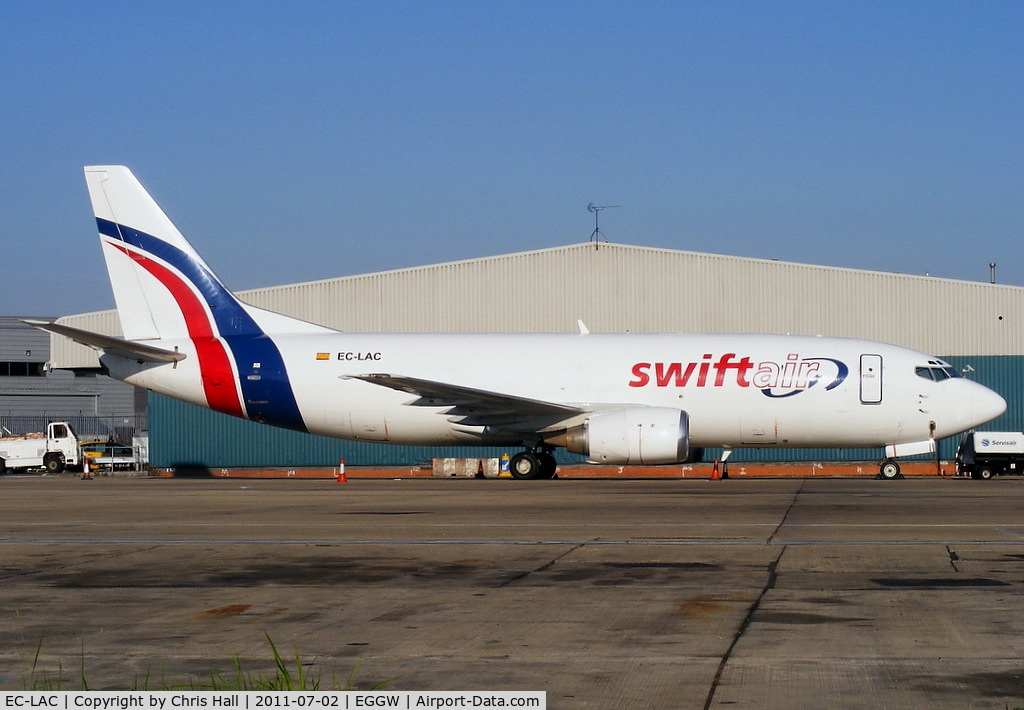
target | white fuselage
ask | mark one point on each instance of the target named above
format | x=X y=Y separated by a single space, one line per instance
x=738 y=390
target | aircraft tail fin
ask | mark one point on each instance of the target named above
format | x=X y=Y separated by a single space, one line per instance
x=163 y=288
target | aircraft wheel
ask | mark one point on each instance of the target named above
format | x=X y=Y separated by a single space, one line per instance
x=889 y=470
x=548 y=465
x=525 y=466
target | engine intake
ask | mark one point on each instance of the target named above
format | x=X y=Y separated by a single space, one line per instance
x=647 y=435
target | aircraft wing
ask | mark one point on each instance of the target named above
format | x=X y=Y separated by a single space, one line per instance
x=109 y=344
x=474 y=407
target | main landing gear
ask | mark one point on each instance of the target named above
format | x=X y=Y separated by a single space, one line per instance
x=532 y=464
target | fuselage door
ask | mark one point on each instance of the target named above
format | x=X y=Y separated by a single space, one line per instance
x=758 y=430
x=870 y=379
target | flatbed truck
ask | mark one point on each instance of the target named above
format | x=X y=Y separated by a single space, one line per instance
x=55 y=449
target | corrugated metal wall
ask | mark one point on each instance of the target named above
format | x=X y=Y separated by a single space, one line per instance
x=618 y=288
x=95 y=406
x=56 y=394
x=183 y=435
x=18 y=341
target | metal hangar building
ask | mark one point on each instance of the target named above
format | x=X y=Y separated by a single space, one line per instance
x=975 y=326
x=32 y=394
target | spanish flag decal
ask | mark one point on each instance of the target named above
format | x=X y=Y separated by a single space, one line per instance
x=323 y=356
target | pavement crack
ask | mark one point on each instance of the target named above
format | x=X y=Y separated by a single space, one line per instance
x=547 y=565
x=953 y=558
x=769 y=585
x=785 y=517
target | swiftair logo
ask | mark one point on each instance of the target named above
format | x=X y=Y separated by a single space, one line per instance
x=774 y=379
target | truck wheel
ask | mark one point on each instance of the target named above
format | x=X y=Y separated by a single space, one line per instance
x=984 y=473
x=54 y=463
x=3 y=467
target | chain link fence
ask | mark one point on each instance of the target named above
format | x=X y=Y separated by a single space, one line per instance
x=117 y=428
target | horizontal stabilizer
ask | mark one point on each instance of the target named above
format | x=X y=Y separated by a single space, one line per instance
x=109 y=344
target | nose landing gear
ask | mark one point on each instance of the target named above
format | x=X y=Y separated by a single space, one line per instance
x=533 y=464
x=889 y=470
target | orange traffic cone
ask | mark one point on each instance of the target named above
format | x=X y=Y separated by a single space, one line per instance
x=342 y=478
x=715 y=474
x=86 y=476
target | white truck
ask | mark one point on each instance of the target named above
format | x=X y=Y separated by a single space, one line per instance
x=54 y=449
x=984 y=454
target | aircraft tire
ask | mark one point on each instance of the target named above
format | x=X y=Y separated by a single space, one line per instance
x=548 y=465
x=525 y=466
x=889 y=470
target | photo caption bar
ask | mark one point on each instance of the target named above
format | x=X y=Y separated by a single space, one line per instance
x=256 y=700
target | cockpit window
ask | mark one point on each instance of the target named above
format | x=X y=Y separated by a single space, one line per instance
x=936 y=371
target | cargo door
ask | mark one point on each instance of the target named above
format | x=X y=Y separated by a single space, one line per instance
x=758 y=430
x=870 y=379
x=369 y=426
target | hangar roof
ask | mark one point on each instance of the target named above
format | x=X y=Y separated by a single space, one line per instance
x=617 y=288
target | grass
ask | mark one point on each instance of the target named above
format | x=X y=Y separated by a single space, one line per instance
x=303 y=677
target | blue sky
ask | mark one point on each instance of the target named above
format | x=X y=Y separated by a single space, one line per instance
x=300 y=141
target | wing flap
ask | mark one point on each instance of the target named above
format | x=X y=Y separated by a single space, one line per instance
x=474 y=407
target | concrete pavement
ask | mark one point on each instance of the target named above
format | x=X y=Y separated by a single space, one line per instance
x=606 y=594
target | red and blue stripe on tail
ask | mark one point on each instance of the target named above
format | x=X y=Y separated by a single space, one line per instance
x=242 y=369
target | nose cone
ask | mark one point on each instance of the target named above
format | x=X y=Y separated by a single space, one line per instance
x=964 y=405
x=986 y=405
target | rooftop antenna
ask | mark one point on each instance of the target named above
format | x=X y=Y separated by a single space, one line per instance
x=595 y=236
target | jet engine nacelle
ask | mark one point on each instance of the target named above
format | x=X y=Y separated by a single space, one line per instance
x=647 y=435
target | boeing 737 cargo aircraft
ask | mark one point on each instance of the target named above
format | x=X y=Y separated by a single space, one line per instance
x=617 y=399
